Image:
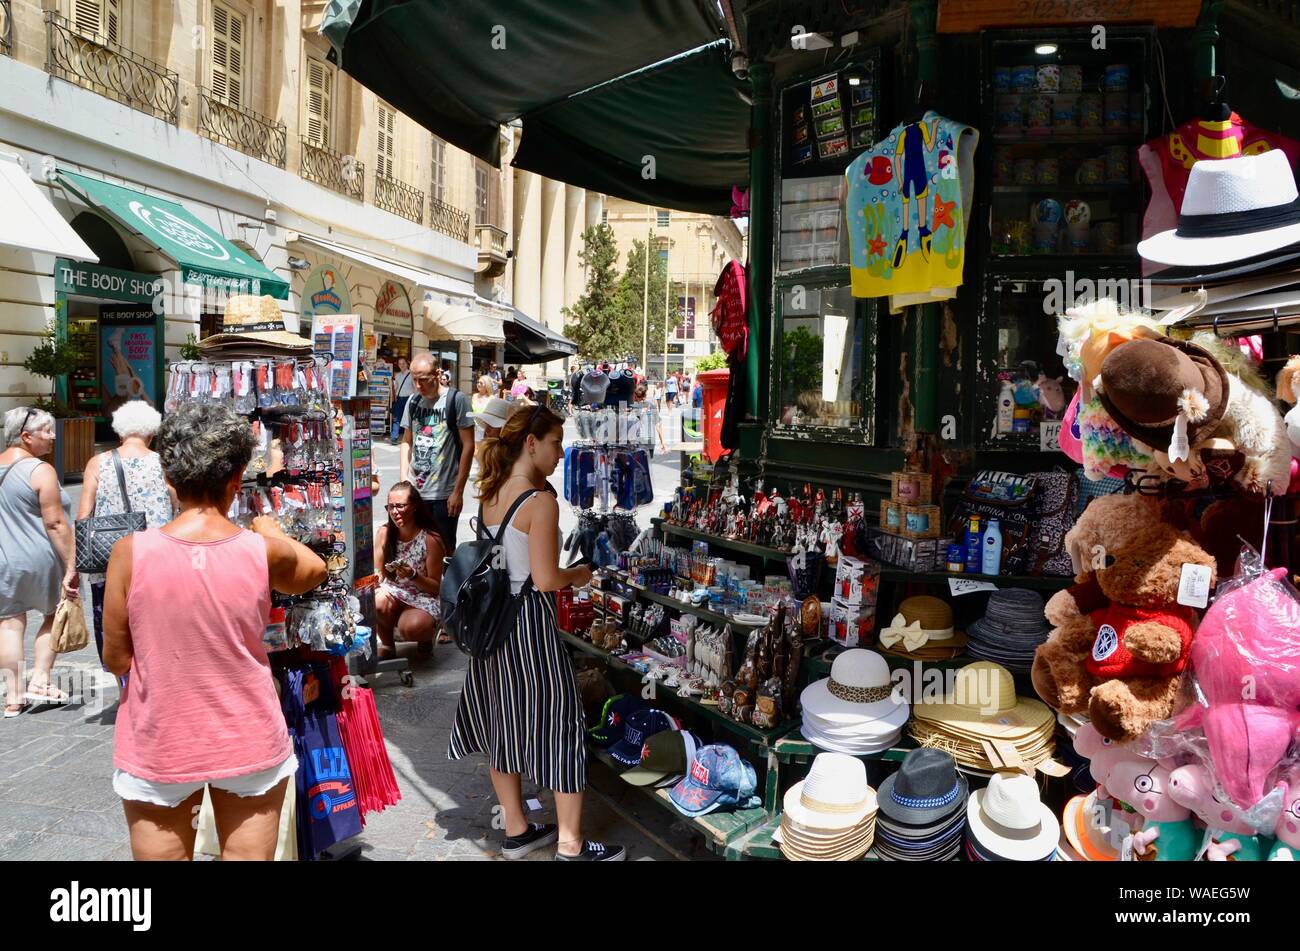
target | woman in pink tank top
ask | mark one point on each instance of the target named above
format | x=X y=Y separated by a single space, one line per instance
x=184 y=611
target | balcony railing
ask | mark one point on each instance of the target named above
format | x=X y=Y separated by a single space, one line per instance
x=324 y=166
x=491 y=250
x=6 y=28
x=448 y=219
x=97 y=64
x=399 y=198
x=242 y=129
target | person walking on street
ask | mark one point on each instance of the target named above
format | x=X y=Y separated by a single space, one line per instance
x=650 y=428
x=484 y=392
x=403 y=390
x=520 y=706
x=670 y=390
x=36 y=560
x=437 y=445
x=410 y=572
x=200 y=706
x=147 y=490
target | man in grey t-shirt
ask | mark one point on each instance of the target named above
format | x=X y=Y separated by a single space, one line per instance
x=437 y=445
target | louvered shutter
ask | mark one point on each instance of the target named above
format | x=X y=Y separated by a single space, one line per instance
x=98 y=18
x=320 y=88
x=227 y=55
x=384 y=163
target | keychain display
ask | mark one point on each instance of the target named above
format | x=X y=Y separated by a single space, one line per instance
x=269 y=384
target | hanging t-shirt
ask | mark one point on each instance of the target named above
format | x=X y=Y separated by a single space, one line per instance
x=1168 y=160
x=908 y=199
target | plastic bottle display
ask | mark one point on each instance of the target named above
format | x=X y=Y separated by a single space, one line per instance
x=1006 y=408
x=973 y=551
x=992 y=548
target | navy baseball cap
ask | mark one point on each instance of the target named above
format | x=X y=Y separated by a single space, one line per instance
x=639 y=726
x=717 y=777
x=610 y=729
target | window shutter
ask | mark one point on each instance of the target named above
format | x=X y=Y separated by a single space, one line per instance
x=320 y=82
x=227 y=55
x=439 y=155
x=384 y=163
x=97 y=18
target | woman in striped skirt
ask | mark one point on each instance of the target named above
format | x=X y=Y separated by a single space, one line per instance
x=520 y=706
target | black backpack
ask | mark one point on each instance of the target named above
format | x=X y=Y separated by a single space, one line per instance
x=477 y=606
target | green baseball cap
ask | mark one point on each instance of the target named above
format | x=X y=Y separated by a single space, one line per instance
x=665 y=757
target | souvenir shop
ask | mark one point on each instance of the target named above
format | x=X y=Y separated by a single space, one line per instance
x=311 y=472
x=1003 y=519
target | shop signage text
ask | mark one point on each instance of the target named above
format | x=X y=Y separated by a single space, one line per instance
x=92 y=280
x=393 y=309
x=325 y=293
x=969 y=16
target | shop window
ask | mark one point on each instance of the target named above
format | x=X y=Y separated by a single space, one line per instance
x=438 y=166
x=662 y=218
x=823 y=362
x=227 y=55
x=98 y=18
x=319 y=103
x=386 y=120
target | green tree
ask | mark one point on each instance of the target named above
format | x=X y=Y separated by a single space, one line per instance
x=632 y=288
x=597 y=320
x=803 y=362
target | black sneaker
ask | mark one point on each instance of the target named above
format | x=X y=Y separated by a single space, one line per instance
x=537 y=836
x=594 y=852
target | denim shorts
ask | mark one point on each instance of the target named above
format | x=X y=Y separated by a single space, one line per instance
x=172 y=795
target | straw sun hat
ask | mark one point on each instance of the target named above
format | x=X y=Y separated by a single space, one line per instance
x=922 y=629
x=249 y=319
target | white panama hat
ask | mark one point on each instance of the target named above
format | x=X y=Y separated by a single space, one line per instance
x=858 y=692
x=1008 y=819
x=1233 y=209
x=833 y=798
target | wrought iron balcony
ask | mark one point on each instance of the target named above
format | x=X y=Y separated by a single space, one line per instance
x=491 y=251
x=448 y=219
x=242 y=129
x=399 y=198
x=6 y=28
x=97 y=64
x=324 y=166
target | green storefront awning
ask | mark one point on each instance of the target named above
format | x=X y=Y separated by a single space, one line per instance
x=598 y=86
x=203 y=256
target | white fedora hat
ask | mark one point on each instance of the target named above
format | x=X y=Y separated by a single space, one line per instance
x=1008 y=819
x=494 y=413
x=858 y=691
x=833 y=797
x=1233 y=209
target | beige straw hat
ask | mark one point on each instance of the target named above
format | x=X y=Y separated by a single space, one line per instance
x=249 y=319
x=922 y=630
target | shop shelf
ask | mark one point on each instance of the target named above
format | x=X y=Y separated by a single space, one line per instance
x=734 y=544
x=793 y=748
x=1038 y=582
x=704 y=614
x=1114 y=188
x=753 y=734
x=757 y=843
x=1069 y=138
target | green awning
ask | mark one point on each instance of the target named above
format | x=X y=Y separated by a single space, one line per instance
x=203 y=256
x=597 y=84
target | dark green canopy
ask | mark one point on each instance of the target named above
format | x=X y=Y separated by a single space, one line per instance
x=599 y=86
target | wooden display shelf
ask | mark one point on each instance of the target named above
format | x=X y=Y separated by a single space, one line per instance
x=757 y=843
x=704 y=614
x=793 y=748
x=735 y=544
x=1118 y=188
x=1068 y=138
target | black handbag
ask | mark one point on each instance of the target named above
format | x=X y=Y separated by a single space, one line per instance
x=97 y=535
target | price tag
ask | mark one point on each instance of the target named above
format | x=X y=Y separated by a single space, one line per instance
x=1049 y=435
x=959 y=586
x=1194 y=586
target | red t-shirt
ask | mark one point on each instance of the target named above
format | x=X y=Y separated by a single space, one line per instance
x=1110 y=657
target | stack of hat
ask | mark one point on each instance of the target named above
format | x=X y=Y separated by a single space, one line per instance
x=613 y=720
x=922 y=809
x=984 y=725
x=831 y=815
x=856 y=710
x=1092 y=832
x=1007 y=822
x=637 y=729
x=253 y=326
x=1011 y=629
x=716 y=778
x=922 y=630
x=665 y=758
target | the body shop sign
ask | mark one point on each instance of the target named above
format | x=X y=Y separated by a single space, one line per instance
x=106 y=283
x=393 y=313
x=325 y=294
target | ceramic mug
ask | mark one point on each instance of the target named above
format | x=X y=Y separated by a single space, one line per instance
x=1049 y=171
x=1115 y=78
x=1077 y=217
x=1010 y=111
x=1117 y=164
x=1047 y=225
x=1091 y=172
x=1026 y=171
x=1023 y=79
x=1071 y=78
x=1038 y=115
x=1115 y=110
x=1049 y=78
x=1108 y=237
x=1002 y=79
x=1091 y=112
x=1065 y=112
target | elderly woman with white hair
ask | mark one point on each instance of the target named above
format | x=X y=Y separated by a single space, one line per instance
x=36 y=564
x=137 y=466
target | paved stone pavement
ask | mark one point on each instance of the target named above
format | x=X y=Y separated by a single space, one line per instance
x=57 y=801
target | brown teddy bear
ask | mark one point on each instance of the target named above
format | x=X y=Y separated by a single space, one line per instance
x=1121 y=640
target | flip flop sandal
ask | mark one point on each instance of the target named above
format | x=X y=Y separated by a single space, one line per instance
x=51 y=695
x=10 y=714
x=445 y=638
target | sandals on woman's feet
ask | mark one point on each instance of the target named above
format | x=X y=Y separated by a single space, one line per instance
x=14 y=710
x=445 y=638
x=46 y=693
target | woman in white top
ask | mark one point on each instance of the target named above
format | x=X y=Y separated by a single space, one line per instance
x=521 y=705
x=403 y=390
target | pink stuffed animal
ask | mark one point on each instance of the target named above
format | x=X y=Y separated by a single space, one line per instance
x=1103 y=753
x=1232 y=839
x=1167 y=833
x=1287 y=846
x=1246 y=658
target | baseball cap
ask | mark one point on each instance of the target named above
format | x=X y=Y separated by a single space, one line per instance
x=664 y=759
x=614 y=718
x=638 y=727
x=718 y=777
